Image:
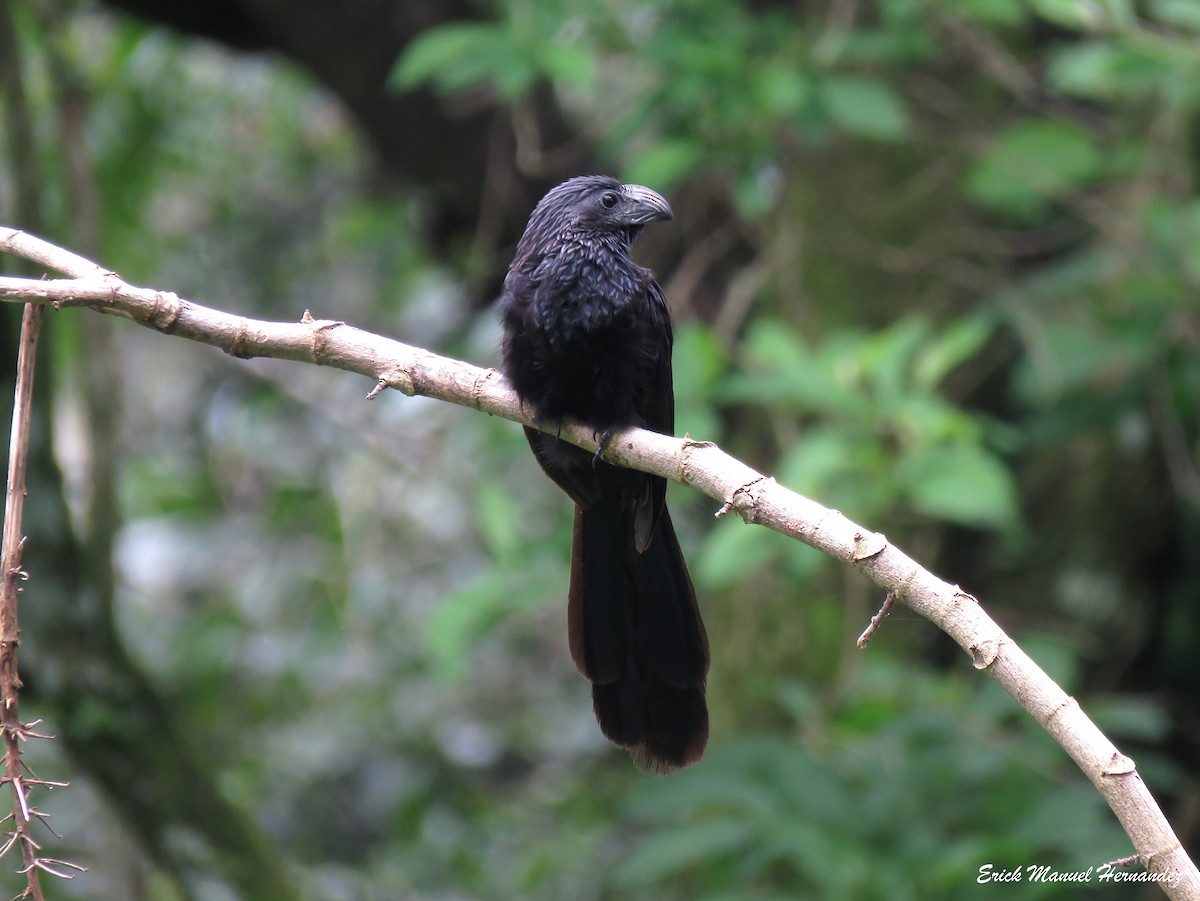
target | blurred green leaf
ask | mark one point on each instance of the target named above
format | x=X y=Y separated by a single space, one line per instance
x=569 y=64
x=955 y=345
x=1074 y=14
x=464 y=615
x=1067 y=356
x=1031 y=164
x=888 y=354
x=664 y=163
x=818 y=458
x=732 y=552
x=781 y=90
x=464 y=55
x=1108 y=69
x=1177 y=13
x=659 y=856
x=494 y=507
x=864 y=107
x=1056 y=656
x=995 y=12
x=699 y=363
x=962 y=483
x=456 y=56
x=782 y=370
x=1131 y=718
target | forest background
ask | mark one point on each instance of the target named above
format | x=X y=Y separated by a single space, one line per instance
x=933 y=264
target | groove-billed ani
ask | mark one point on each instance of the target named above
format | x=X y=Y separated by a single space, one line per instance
x=587 y=336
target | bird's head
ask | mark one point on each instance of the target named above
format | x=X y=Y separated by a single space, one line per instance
x=593 y=206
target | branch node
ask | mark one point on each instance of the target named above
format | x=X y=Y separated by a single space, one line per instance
x=984 y=653
x=237 y=346
x=166 y=312
x=1059 y=708
x=687 y=447
x=690 y=443
x=398 y=378
x=319 y=340
x=868 y=545
x=959 y=594
x=477 y=387
x=1119 y=765
x=741 y=500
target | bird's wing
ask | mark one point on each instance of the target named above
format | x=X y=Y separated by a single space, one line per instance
x=656 y=405
x=658 y=409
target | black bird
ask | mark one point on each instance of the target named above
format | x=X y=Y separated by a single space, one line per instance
x=587 y=337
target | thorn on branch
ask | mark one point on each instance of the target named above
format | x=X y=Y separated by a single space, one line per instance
x=380 y=387
x=54 y=867
x=1124 y=861
x=19 y=789
x=25 y=731
x=44 y=819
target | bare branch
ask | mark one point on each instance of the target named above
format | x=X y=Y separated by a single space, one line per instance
x=702 y=465
x=876 y=620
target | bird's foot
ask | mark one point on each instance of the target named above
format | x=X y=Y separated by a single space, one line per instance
x=605 y=441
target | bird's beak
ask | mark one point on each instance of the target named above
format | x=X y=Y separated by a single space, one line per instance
x=645 y=205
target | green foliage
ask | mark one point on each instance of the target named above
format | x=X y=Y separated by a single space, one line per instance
x=699 y=366
x=874 y=430
x=679 y=88
x=525 y=573
x=457 y=57
x=766 y=817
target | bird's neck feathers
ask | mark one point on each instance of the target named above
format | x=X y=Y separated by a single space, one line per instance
x=573 y=241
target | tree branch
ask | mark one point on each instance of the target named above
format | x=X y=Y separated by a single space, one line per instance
x=702 y=465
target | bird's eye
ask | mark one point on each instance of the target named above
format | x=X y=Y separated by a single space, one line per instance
x=609 y=199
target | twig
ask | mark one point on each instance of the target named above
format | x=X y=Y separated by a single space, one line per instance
x=702 y=465
x=12 y=574
x=873 y=625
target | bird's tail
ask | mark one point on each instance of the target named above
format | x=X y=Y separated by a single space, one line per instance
x=636 y=634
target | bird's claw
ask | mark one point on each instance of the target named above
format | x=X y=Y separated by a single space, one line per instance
x=605 y=441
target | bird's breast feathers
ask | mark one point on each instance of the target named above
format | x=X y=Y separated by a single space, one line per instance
x=587 y=299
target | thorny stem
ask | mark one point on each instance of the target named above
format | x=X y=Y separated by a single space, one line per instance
x=12 y=575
